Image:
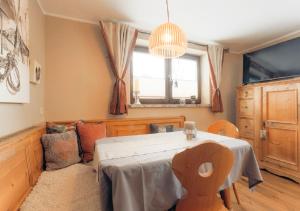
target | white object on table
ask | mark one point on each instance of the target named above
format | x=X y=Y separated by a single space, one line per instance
x=190 y=130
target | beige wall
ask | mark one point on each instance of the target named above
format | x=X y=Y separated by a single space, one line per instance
x=15 y=117
x=79 y=83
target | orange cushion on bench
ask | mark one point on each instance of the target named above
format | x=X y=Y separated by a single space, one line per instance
x=89 y=133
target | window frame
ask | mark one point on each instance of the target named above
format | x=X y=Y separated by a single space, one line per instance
x=168 y=82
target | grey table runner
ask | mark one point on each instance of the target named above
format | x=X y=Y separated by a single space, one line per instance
x=134 y=172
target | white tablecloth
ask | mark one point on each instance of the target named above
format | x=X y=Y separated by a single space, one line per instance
x=134 y=172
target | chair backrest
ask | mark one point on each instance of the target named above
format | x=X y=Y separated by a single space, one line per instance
x=202 y=188
x=225 y=128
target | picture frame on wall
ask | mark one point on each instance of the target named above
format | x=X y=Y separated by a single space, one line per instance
x=36 y=73
x=14 y=52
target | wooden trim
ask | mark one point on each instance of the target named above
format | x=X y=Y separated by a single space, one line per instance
x=15 y=137
x=122 y=119
x=138 y=106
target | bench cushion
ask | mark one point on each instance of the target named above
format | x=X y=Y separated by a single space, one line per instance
x=61 y=150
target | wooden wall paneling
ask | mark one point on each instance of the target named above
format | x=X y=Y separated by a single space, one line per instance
x=126 y=127
x=134 y=126
x=14 y=176
x=35 y=156
x=17 y=166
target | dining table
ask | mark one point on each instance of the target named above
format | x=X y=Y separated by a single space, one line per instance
x=134 y=173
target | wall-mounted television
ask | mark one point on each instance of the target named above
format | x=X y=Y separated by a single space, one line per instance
x=279 y=61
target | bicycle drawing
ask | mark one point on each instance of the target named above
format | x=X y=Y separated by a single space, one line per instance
x=14 y=53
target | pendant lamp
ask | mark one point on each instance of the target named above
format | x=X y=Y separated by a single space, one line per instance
x=167 y=40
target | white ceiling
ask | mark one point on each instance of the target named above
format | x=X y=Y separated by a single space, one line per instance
x=237 y=24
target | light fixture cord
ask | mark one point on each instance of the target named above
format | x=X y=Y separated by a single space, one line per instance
x=168 y=13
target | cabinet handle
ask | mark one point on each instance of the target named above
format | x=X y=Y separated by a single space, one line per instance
x=246 y=107
x=246 y=126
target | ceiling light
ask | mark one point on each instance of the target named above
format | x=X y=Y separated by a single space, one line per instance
x=167 y=40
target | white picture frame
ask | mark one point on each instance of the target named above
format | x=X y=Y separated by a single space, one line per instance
x=14 y=52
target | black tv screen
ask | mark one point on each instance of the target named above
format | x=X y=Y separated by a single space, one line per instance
x=276 y=62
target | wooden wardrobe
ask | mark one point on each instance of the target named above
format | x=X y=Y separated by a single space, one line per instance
x=268 y=118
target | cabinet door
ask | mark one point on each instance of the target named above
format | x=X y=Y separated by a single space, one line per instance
x=280 y=116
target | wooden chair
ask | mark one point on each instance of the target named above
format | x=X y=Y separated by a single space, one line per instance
x=202 y=187
x=226 y=128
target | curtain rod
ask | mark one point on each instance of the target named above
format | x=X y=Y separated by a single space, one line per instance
x=190 y=42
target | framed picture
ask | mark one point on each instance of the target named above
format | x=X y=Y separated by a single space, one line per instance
x=14 y=52
x=35 y=73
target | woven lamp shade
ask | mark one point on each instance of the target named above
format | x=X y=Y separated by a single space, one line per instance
x=167 y=41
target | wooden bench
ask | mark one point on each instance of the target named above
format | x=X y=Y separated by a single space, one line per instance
x=21 y=155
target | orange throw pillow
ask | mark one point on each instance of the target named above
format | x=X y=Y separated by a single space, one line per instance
x=89 y=133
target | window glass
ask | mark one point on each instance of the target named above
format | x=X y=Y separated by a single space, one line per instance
x=184 y=78
x=149 y=75
x=159 y=80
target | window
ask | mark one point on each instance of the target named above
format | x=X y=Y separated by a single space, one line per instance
x=161 y=80
x=149 y=70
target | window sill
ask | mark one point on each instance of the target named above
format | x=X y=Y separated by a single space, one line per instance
x=169 y=106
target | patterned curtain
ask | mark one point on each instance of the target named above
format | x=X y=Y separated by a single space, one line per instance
x=120 y=41
x=215 y=56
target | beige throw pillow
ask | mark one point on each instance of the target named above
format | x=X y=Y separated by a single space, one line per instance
x=61 y=150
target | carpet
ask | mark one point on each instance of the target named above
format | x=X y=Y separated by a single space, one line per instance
x=70 y=189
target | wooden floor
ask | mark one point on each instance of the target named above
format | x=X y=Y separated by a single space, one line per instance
x=274 y=194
